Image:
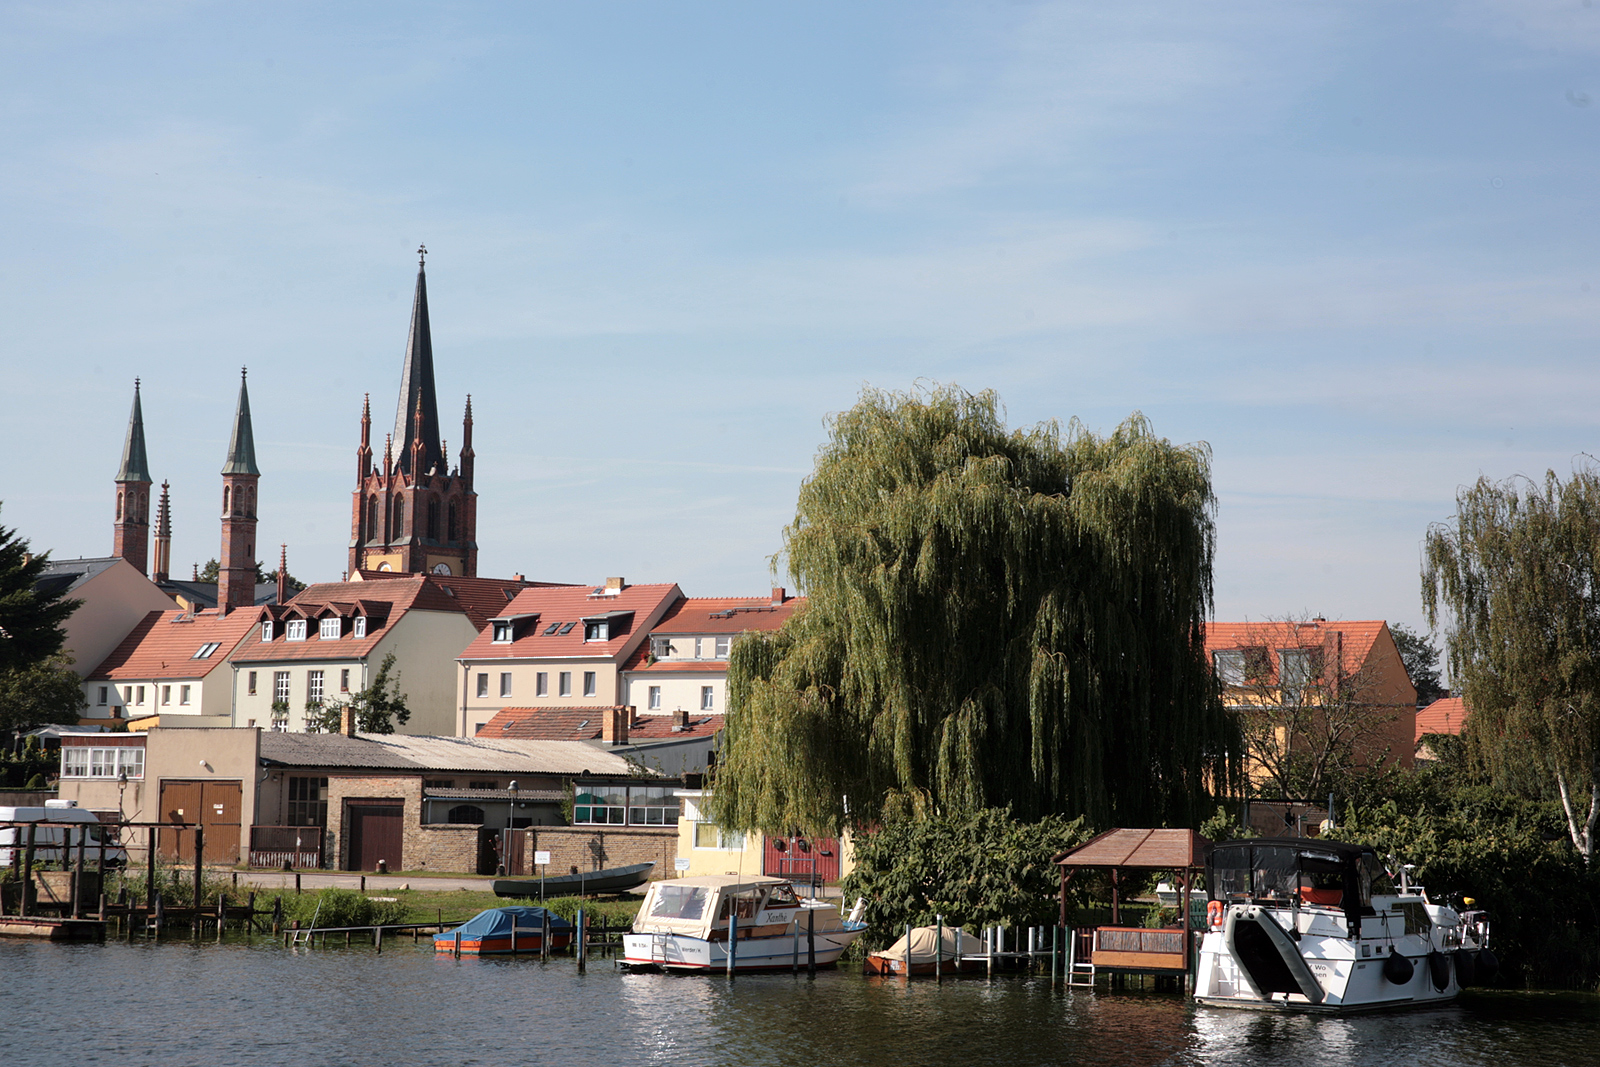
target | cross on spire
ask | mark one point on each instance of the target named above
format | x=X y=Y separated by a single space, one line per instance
x=422 y=255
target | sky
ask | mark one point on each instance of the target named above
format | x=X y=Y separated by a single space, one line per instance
x=1350 y=247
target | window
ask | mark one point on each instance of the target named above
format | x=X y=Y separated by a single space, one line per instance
x=652 y=806
x=505 y=683
x=81 y=761
x=344 y=679
x=483 y=685
x=1297 y=667
x=541 y=684
x=438 y=783
x=372 y=518
x=483 y=785
x=328 y=628
x=266 y=631
x=552 y=628
x=597 y=631
x=708 y=699
x=566 y=627
x=127 y=694
x=502 y=631
x=466 y=813
x=360 y=627
x=183 y=694
x=699 y=643
x=455 y=524
x=308 y=802
x=313 y=687
x=296 y=630
x=603 y=805
x=206 y=649
x=433 y=520
x=710 y=835
x=654 y=701
x=250 y=683
x=103 y=694
x=722 y=647
x=166 y=695
x=1229 y=665
x=280 y=686
x=564 y=684
x=588 y=683
x=140 y=691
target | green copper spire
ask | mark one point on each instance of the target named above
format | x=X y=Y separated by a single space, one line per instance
x=242 y=448
x=135 y=467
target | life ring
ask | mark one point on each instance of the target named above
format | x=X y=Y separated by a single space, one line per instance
x=1214 y=912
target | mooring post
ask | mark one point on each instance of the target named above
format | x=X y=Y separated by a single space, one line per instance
x=988 y=949
x=77 y=870
x=158 y=914
x=544 y=935
x=811 y=943
x=296 y=883
x=513 y=935
x=794 y=960
x=733 y=934
x=363 y=883
x=583 y=943
x=102 y=875
x=150 y=869
x=250 y=921
x=938 y=950
x=905 y=960
x=27 y=869
x=458 y=942
x=277 y=913
x=377 y=938
x=199 y=857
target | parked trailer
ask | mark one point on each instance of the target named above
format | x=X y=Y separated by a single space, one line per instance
x=49 y=840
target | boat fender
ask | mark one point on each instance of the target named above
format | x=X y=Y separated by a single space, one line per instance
x=1439 y=970
x=1488 y=964
x=1466 y=967
x=1214 y=914
x=1398 y=969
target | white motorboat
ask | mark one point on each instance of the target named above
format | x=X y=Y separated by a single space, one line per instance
x=695 y=924
x=1300 y=924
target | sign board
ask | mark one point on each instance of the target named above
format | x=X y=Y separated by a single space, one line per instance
x=680 y=864
x=541 y=858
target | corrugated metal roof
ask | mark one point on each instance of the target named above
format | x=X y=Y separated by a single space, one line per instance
x=431 y=754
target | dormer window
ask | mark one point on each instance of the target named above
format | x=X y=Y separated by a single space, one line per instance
x=266 y=631
x=206 y=649
x=661 y=647
x=328 y=628
x=1229 y=663
x=360 y=627
x=502 y=631
x=597 y=631
x=296 y=630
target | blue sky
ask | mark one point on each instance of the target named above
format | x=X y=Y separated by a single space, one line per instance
x=1352 y=247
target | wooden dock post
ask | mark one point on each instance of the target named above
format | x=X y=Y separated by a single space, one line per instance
x=377 y=939
x=199 y=853
x=794 y=961
x=27 y=869
x=544 y=936
x=583 y=943
x=811 y=943
x=733 y=934
x=150 y=869
x=938 y=950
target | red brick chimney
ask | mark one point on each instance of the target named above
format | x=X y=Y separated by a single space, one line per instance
x=347 y=721
x=680 y=720
x=614 y=725
x=778 y=596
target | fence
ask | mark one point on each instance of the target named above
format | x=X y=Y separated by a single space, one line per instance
x=273 y=846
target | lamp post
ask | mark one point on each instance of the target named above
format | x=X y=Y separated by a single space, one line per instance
x=511 y=825
x=122 y=786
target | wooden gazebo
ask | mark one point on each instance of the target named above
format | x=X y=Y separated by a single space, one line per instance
x=1137 y=950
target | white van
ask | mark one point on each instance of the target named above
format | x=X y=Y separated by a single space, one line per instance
x=48 y=840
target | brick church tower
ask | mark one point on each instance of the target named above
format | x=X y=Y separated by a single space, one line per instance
x=414 y=514
x=131 y=537
x=236 y=580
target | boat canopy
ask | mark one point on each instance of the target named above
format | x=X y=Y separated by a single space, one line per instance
x=496 y=922
x=1288 y=871
x=955 y=943
x=695 y=906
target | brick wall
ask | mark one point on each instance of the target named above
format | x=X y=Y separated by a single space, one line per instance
x=443 y=847
x=594 y=849
x=404 y=789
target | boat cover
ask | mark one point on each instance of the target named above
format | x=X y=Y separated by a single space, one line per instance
x=496 y=923
x=955 y=942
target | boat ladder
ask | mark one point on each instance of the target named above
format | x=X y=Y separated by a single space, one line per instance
x=303 y=937
x=1080 y=956
x=658 y=948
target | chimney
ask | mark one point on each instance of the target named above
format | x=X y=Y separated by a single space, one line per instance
x=778 y=596
x=614 y=586
x=518 y=578
x=347 y=721
x=680 y=720
x=614 y=725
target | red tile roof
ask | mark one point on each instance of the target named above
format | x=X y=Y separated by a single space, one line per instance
x=482 y=598
x=1444 y=716
x=712 y=616
x=1355 y=638
x=383 y=603
x=164 y=643
x=583 y=724
x=572 y=604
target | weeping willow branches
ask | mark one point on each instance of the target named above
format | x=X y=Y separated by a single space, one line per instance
x=995 y=617
x=1518 y=572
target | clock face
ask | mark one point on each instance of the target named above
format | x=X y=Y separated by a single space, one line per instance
x=441 y=568
x=384 y=566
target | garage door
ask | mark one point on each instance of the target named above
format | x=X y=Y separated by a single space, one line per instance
x=375 y=834
x=214 y=805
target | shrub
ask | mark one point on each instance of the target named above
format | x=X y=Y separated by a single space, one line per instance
x=342 y=907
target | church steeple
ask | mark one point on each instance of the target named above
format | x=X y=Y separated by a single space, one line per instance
x=131 y=534
x=163 y=563
x=418 y=413
x=236 y=580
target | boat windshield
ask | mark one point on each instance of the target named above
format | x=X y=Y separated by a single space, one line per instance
x=746 y=903
x=782 y=896
x=679 y=902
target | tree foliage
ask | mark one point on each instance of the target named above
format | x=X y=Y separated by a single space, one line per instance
x=995 y=617
x=1516 y=574
x=40 y=694
x=30 y=621
x=212 y=572
x=1421 y=657
x=377 y=707
x=974 y=869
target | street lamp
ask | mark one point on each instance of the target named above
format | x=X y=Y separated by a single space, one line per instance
x=122 y=786
x=511 y=825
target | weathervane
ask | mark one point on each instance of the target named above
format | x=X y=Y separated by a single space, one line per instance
x=422 y=255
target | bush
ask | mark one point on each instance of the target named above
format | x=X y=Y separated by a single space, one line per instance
x=342 y=907
x=975 y=870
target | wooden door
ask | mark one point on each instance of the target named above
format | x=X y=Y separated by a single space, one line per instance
x=180 y=802
x=375 y=834
x=217 y=806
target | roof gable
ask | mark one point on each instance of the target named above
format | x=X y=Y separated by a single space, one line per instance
x=164 y=645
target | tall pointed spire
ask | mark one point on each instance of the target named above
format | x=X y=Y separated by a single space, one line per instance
x=242 y=446
x=160 y=572
x=416 y=386
x=135 y=466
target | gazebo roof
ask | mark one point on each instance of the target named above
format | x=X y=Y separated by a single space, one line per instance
x=1147 y=849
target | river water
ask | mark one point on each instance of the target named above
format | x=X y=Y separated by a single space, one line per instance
x=254 y=1002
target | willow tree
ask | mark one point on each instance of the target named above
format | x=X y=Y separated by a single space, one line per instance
x=1516 y=573
x=994 y=617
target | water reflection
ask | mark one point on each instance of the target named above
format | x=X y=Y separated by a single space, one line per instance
x=254 y=1002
